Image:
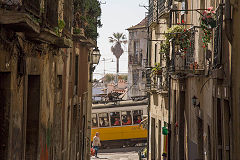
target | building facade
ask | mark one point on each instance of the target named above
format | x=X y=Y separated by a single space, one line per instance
x=157 y=82
x=203 y=112
x=45 y=82
x=137 y=53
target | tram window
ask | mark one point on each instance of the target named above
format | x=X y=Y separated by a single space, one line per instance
x=94 y=120
x=103 y=119
x=126 y=118
x=115 y=118
x=137 y=116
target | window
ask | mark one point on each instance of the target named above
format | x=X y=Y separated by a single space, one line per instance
x=115 y=118
x=136 y=47
x=103 y=119
x=135 y=77
x=137 y=116
x=94 y=120
x=126 y=118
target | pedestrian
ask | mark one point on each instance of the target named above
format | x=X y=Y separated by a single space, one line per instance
x=96 y=144
x=117 y=122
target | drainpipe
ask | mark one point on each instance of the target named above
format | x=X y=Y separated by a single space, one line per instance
x=169 y=116
x=228 y=21
x=230 y=33
x=148 y=111
x=148 y=95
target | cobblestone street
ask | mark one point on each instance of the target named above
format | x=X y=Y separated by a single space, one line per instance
x=119 y=154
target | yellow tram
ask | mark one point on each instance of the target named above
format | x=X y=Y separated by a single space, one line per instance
x=118 y=124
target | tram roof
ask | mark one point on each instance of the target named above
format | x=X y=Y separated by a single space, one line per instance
x=120 y=104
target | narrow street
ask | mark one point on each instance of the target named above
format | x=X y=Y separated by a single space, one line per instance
x=130 y=153
x=158 y=79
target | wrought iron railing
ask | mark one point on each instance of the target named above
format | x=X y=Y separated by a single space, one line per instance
x=148 y=78
x=183 y=62
x=156 y=83
x=161 y=5
x=191 y=50
x=218 y=38
x=152 y=12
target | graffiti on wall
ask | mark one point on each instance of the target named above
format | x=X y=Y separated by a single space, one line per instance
x=45 y=144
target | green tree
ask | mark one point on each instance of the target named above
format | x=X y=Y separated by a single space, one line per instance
x=117 y=39
x=87 y=15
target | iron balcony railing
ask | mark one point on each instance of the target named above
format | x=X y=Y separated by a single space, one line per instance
x=152 y=12
x=161 y=6
x=156 y=9
x=180 y=61
x=148 y=78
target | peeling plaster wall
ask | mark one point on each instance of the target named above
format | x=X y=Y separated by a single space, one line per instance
x=236 y=81
x=47 y=64
x=137 y=35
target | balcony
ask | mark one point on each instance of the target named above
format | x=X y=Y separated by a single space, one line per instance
x=157 y=84
x=157 y=8
x=152 y=12
x=162 y=6
x=183 y=63
x=38 y=22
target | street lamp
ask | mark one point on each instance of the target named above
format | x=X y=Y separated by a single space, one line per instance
x=194 y=102
x=95 y=56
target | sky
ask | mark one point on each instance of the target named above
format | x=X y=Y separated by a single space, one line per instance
x=117 y=16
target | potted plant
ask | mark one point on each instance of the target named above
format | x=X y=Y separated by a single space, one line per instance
x=208 y=18
x=208 y=22
x=157 y=70
x=181 y=38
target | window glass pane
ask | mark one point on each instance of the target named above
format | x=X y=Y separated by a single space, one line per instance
x=103 y=119
x=126 y=118
x=137 y=116
x=94 y=120
x=115 y=118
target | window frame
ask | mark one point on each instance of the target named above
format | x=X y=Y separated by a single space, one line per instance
x=126 y=115
x=103 y=117
x=96 y=120
x=120 y=118
x=137 y=115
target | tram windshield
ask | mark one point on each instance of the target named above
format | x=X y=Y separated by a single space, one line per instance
x=126 y=118
x=115 y=118
x=94 y=120
x=137 y=116
x=103 y=119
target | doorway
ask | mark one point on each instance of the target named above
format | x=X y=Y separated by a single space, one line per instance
x=153 y=139
x=219 y=130
x=5 y=101
x=227 y=129
x=32 y=128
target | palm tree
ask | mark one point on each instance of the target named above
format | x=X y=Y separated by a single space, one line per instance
x=117 y=39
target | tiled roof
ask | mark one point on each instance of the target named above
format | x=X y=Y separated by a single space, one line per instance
x=142 y=24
